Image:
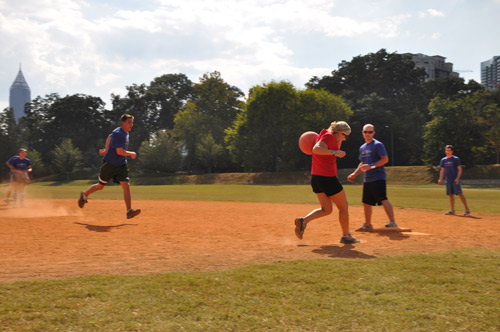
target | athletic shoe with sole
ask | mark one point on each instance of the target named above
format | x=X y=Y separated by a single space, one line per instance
x=82 y=200
x=391 y=224
x=448 y=213
x=348 y=239
x=132 y=213
x=467 y=212
x=300 y=227
x=365 y=228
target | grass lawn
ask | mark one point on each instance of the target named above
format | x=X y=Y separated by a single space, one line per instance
x=432 y=197
x=453 y=291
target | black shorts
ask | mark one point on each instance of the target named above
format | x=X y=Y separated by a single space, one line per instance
x=374 y=192
x=109 y=172
x=329 y=185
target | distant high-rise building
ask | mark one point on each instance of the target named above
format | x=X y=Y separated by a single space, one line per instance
x=490 y=73
x=20 y=94
x=435 y=66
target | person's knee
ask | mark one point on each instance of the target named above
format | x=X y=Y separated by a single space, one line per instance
x=328 y=210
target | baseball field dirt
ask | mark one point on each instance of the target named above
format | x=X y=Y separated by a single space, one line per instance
x=52 y=239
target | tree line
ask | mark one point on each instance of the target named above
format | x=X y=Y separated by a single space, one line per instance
x=211 y=126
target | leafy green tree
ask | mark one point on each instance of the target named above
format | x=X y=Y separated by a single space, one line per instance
x=213 y=108
x=155 y=106
x=66 y=158
x=264 y=137
x=456 y=123
x=81 y=118
x=386 y=90
x=167 y=94
x=10 y=138
x=450 y=88
x=209 y=152
x=161 y=154
x=490 y=118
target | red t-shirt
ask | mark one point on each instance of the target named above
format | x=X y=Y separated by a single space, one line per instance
x=325 y=165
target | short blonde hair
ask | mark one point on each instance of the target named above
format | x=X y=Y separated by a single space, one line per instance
x=340 y=127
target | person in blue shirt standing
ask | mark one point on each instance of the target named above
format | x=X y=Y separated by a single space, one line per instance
x=373 y=157
x=114 y=165
x=452 y=167
x=19 y=166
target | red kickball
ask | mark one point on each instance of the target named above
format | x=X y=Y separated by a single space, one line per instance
x=307 y=141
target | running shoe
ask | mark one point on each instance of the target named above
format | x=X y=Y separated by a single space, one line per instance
x=132 y=213
x=391 y=224
x=82 y=200
x=300 y=227
x=348 y=239
x=365 y=228
x=448 y=213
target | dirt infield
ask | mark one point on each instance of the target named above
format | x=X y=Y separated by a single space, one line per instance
x=54 y=238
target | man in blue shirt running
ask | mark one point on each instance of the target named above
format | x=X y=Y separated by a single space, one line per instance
x=452 y=167
x=372 y=158
x=114 y=165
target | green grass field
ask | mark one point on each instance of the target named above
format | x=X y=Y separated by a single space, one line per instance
x=432 y=197
x=451 y=291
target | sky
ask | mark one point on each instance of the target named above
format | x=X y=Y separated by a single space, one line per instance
x=99 y=47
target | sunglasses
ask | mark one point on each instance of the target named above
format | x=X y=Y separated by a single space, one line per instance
x=368 y=132
x=345 y=135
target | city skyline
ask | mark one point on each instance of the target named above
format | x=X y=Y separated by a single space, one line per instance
x=100 y=47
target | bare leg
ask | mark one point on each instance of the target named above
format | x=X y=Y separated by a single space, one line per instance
x=464 y=201
x=452 y=202
x=93 y=188
x=126 y=194
x=388 y=210
x=326 y=208
x=340 y=201
x=368 y=213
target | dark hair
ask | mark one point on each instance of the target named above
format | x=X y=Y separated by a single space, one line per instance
x=450 y=147
x=126 y=116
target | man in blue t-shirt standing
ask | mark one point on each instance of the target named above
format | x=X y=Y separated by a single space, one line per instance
x=452 y=167
x=373 y=157
x=114 y=165
x=19 y=166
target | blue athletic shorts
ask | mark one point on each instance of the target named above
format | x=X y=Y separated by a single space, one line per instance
x=452 y=188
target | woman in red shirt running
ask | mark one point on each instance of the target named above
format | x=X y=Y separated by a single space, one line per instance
x=324 y=181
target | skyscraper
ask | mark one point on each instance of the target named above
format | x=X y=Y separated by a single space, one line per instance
x=20 y=94
x=490 y=73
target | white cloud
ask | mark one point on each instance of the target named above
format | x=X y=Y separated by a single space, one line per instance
x=95 y=47
x=436 y=35
x=431 y=12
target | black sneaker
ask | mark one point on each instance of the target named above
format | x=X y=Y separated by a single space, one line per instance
x=132 y=213
x=82 y=200
x=348 y=239
x=300 y=227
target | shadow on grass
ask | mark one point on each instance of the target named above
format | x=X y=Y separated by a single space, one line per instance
x=345 y=251
x=102 y=229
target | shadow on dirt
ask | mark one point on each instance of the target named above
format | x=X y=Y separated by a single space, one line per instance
x=345 y=251
x=102 y=229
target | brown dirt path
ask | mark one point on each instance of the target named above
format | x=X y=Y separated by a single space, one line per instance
x=55 y=239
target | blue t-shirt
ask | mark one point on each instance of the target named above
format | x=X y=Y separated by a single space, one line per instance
x=119 y=139
x=450 y=166
x=369 y=154
x=19 y=164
